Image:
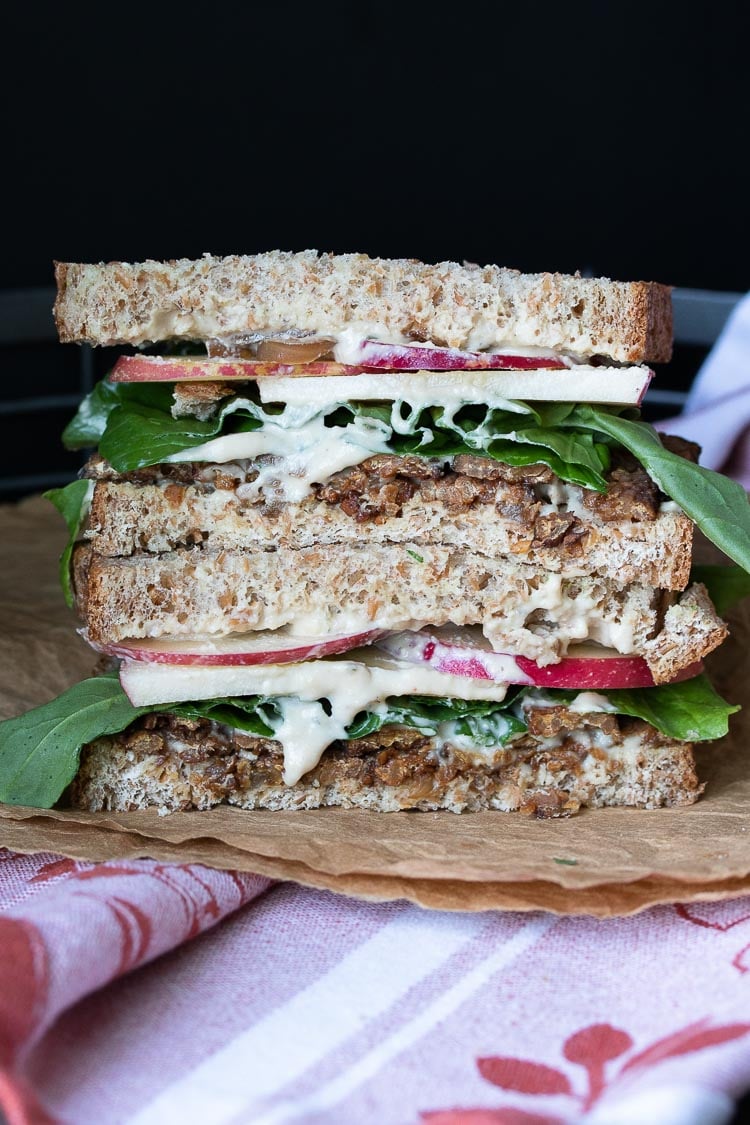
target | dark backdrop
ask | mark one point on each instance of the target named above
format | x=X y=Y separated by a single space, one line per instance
x=609 y=137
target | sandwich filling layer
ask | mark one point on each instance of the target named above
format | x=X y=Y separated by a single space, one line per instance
x=591 y=759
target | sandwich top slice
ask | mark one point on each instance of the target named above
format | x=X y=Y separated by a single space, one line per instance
x=284 y=295
x=308 y=453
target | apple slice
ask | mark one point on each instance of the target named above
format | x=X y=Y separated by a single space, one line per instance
x=466 y=652
x=264 y=647
x=346 y=382
x=405 y=357
x=365 y=355
x=178 y=369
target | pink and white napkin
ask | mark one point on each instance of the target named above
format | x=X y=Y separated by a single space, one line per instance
x=155 y=995
x=717 y=411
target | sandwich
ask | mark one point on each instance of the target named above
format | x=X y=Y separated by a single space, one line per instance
x=381 y=534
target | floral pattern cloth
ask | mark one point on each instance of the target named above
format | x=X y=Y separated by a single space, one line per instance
x=117 y=1005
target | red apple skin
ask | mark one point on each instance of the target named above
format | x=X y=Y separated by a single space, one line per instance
x=466 y=656
x=375 y=357
x=589 y=674
x=179 y=369
x=402 y=357
x=293 y=654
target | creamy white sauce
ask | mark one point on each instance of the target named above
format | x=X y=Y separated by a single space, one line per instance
x=310 y=452
x=457 y=388
x=353 y=684
x=304 y=454
x=585 y=701
x=572 y=619
x=588 y=701
x=350 y=342
x=447 y=735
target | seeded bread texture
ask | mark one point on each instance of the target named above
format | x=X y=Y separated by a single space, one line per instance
x=540 y=777
x=522 y=608
x=464 y=306
x=692 y=629
x=128 y=519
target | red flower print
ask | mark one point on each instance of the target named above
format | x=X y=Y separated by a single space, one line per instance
x=24 y=984
x=593 y=1048
x=54 y=870
x=526 y=1077
x=730 y=917
x=725 y=915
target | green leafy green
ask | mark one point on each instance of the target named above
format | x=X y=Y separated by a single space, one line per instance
x=40 y=750
x=487 y=723
x=132 y=425
x=90 y=422
x=690 y=711
x=717 y=504
x=726 y=585
x=72 y=502
x=254 y=714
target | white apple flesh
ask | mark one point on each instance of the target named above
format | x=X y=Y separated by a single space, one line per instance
x=337 y=382
x=466 y=652
x=278 y=647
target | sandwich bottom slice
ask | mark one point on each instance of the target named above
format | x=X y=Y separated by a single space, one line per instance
x=565 y=759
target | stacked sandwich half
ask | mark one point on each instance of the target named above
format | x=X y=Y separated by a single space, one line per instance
x=384 y=534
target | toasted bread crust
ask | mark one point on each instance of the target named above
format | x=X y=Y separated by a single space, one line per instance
x=453 y=305
x=692 y=629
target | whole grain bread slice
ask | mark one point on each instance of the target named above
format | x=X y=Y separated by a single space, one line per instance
x=522 y=609
x=127 y=519
x=176 y=765
x=464 y=306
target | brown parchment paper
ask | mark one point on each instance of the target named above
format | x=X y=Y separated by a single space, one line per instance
x=601 y=862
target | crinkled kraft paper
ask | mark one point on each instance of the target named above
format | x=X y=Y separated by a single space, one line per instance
x=601 y=862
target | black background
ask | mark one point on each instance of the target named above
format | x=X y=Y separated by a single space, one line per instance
x=603 y=137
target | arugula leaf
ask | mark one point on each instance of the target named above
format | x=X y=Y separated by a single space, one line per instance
x=487 y=723
x=40 y=750
x=133 y=426
x=140 y=435
x=690 y=711
x=717 y=504
x=726 y=585
x=72 y=502
x=583 y=467
x=90 y=422
x=254 y=713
